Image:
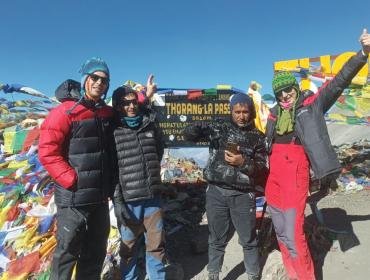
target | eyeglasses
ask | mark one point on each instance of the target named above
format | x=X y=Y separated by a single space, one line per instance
x=126 y=102
x=286 y=90
x=95 y=78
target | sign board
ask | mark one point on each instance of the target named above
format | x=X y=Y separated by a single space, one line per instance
x=183 y=107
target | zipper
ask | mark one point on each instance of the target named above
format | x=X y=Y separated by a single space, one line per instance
x=78 y=213
x=99 y=125
x=298 y=132
x=270 y=137
x=144 y=160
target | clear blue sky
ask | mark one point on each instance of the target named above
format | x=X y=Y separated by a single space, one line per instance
x=184 y=43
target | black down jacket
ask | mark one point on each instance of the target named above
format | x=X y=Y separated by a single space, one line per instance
x=139 y=153
x=252 y=146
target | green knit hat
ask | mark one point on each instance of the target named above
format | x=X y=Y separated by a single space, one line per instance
x=283 y=80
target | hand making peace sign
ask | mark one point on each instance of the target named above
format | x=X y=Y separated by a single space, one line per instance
x=365 y=41
x=151 y=87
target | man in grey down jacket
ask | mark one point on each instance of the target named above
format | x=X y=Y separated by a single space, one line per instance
x=237 y=159
x=137 y=208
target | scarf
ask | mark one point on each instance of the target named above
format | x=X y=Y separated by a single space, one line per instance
x=286 y=115
x=133 y=122
x=285 y=122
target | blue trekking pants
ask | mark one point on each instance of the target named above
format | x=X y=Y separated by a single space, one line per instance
x=148 y=215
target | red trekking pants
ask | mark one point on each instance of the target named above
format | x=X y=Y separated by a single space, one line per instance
x=286 y=194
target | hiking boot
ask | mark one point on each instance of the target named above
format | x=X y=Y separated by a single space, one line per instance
x=253 y=277
x=213 y=276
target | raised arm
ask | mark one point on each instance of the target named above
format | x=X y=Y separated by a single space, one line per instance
x=197 y=131
x=331 y=91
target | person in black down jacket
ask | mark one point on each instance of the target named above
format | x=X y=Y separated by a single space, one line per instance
x=139 y=150
x=298 y=139
x=237 y=159
x=75 y=147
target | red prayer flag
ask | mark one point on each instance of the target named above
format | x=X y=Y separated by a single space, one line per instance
x=25 y=265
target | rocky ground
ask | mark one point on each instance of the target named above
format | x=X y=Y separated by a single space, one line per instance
x=340 y=253
x=339 y=238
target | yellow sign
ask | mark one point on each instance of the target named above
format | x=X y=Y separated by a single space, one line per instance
x=329 y=66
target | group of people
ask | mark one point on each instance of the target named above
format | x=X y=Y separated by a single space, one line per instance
x=95 y=152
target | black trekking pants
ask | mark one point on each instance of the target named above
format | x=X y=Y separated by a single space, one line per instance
x=82 y=234
x=224 y=214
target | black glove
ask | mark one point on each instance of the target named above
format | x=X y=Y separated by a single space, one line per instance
x=121 y=212
x=120 y=208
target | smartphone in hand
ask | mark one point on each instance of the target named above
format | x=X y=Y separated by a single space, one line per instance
x=232 y=147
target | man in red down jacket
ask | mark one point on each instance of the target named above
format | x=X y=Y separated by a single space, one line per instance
x=74 y=147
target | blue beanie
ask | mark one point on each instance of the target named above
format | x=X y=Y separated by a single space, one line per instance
x=242 y=98
x=90 y=66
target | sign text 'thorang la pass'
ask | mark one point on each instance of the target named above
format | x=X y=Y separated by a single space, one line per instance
x=183 y=107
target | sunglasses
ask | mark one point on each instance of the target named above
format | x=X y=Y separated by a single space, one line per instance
x=286 y=90
x=129 y=102
x=95 y=78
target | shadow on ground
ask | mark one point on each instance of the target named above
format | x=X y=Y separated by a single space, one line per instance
x=189 y=254
x=235 y=272
x=324 y=228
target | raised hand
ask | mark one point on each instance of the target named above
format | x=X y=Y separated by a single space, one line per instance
x=365 y=41
x=151 y=87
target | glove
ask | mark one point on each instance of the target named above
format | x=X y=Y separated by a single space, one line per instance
x=121 y=212
x=120 y=208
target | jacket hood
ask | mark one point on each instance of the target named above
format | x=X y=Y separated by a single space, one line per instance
x=68 y=90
